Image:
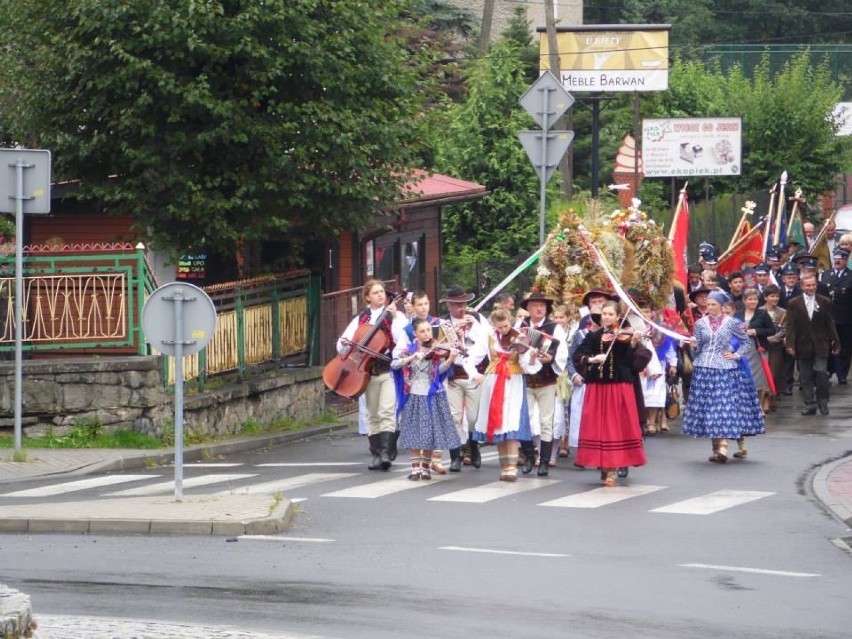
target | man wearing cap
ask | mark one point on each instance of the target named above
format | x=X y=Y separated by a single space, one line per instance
x=464 y=382
x=811 y=338
x=789 y=284
x=541 y=386
x=710 y=262
x=761 y=277
x=773 y=261
x=807 y=264
x=838 y=281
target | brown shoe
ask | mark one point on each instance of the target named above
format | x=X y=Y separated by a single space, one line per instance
x=508 y=478
x=438 y=469
x=741 y=454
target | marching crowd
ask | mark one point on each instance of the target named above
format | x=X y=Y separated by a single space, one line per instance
x=546 y=381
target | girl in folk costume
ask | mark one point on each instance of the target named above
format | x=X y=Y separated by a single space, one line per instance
x=425 y=421
x=611 y=436
x=653 y=377
x=503 y=412
x=722 y=402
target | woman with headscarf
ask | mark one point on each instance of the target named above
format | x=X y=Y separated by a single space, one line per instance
x=723 y=402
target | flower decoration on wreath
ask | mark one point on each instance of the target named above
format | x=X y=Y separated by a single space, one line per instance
x=634 y=246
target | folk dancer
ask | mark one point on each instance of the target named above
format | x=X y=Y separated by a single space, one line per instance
x=503 y=413
x=541 y=385
x=465 y=379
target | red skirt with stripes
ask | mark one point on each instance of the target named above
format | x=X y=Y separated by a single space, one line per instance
x=610 y=435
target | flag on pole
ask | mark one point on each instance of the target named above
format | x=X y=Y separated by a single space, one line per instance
x=679 y=241
x=749 y=253
x=796 y=230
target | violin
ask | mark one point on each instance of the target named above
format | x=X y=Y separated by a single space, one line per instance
x=621 y=335
x=348 y=373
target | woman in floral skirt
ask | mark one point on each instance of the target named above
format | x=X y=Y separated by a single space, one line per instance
x=425 y=421
x=723 y=402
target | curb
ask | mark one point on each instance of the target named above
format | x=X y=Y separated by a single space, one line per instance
x=831 y=503
x=278 y=521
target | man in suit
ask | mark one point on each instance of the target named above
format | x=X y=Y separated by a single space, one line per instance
x=838 y=281
x=789 y=285
x=811 y=338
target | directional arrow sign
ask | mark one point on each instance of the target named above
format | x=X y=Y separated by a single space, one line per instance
x=546 y=100
x=557 y=143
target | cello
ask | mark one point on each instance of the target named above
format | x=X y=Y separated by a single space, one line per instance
x=348 y=373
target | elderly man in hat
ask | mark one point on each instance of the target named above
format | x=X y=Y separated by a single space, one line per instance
x=838 y=281
x=463 y=384
x=541 y=386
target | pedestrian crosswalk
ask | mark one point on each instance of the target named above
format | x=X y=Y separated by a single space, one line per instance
x=551 y=493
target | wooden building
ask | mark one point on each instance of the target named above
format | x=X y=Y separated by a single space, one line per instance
x=409 y=249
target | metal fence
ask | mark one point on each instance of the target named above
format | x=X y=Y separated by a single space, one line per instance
x=82 y=298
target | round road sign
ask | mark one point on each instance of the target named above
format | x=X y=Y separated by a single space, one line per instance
x=160 y=318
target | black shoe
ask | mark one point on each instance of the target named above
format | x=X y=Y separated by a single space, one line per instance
x=455 y=460
x=823 y=408
x=787 y=392
x=392 y=449
x=375 y=446
x=475 y=455
x=622 y=471
x=384 y=456
x=529 y=457
x=544 y=458
x=809 y=411
x=842 y=382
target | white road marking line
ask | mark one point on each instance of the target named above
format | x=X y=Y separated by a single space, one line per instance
x=502 y=552
x=82 y=484
x=280 y=485
x=598 y=497
x=309 y=464
x=757 y=571
x=713 y=502
x=312 y=540
x=495 y=490
x=386 y=487
x=166 y=486
x=298 y=500
x=213 y=465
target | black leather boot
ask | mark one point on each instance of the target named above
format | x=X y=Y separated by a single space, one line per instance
x=475 y=455
x=455 y=460
x=384 y=448
x=544 y=458
x=375 y=448
x=392 y=449
x=528 y=450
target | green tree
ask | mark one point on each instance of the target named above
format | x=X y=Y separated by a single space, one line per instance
x=223 y=120
x=481 y=144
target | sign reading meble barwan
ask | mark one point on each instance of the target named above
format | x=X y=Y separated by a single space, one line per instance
x=610 y=57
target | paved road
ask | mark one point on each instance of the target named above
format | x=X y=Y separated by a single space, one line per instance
x=685 y=549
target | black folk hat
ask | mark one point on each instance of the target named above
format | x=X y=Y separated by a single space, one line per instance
x=599 y=292
x=457 y=294
x=537 y=296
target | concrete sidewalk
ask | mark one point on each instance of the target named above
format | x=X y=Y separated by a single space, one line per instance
x=227 y=515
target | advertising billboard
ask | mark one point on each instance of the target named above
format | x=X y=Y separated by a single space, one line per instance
x=683 y=147
x=610 y=57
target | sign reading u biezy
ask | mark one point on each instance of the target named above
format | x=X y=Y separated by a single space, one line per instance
x=683 y=147
x=611 y=57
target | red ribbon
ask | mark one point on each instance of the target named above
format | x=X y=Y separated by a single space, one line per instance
x=495 y=408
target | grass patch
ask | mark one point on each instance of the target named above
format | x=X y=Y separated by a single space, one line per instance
x=86 y=434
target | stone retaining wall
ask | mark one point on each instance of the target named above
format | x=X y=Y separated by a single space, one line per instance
x=128 y=393
x=16 y=615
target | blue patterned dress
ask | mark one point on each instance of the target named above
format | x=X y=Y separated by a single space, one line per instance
x=723 y=402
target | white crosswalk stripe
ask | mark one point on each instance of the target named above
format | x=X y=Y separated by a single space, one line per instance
x=290 y=483
x=74 y=486
x=495 y=490
x=713 y=502
x=602 y=496
x=168 y=486
x=387 y=487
